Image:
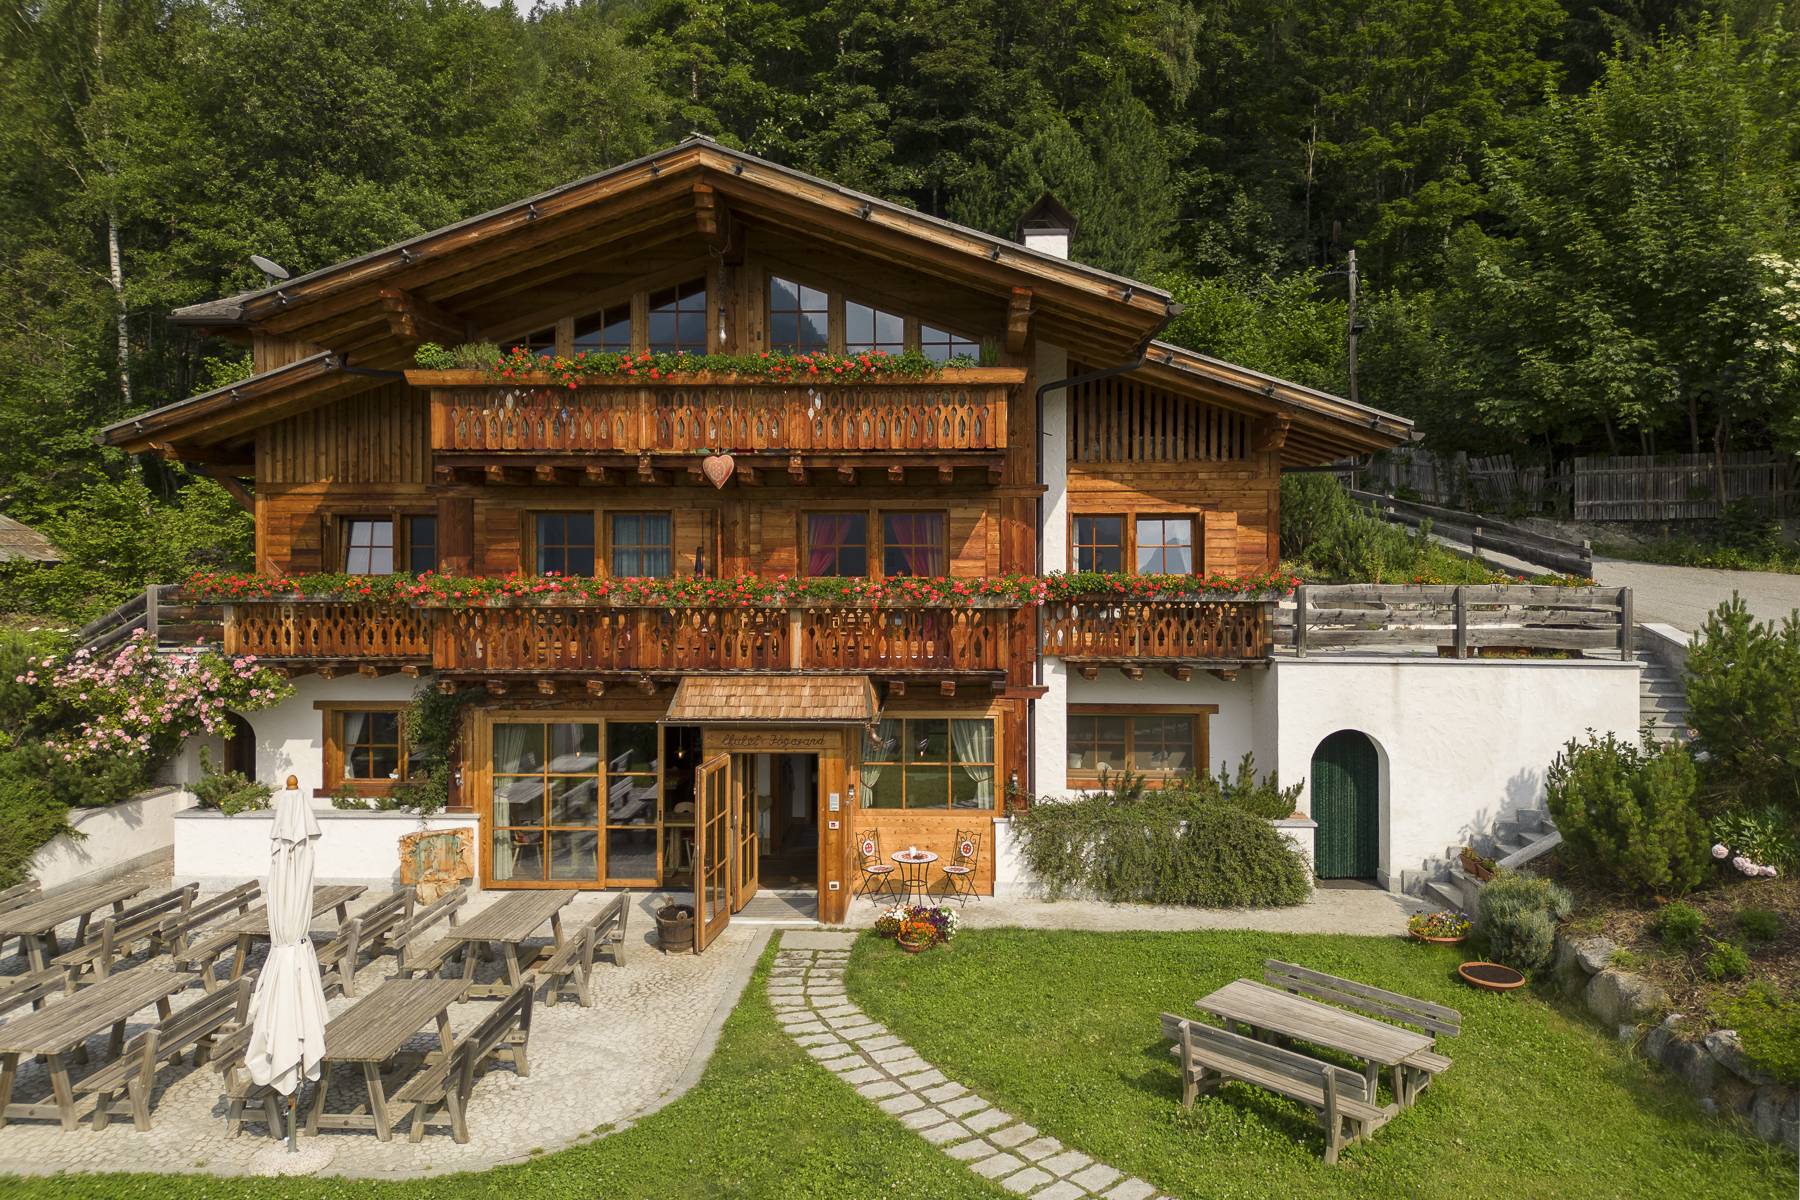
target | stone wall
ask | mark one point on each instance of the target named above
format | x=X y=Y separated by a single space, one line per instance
x=1712 y=1066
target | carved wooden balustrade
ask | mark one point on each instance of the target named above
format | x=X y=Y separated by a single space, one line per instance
x=904 y=639
x=1191 y=631
x=960 y=410
x=327 y=629
x=611 y=639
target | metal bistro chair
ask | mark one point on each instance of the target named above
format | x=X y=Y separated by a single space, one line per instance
x=959 y=872
x=877 y=876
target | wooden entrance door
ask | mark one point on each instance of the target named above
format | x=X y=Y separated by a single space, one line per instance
x=712 y=849
x=1346 y=802
x=746 y=834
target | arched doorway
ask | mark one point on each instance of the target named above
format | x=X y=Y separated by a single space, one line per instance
x=1346 y=802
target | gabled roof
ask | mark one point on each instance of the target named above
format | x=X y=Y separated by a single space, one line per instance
x=19 y=541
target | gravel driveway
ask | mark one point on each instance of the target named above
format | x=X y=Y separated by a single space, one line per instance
x=1683 y=596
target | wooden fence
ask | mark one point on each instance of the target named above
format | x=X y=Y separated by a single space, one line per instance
x=1458 y=621
x=1678 y=487
x=1556 y=555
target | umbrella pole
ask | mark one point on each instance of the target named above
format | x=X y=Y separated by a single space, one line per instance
x=294 y=1121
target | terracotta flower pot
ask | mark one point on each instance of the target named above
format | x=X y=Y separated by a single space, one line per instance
x=915 y=945
x=1441 y=941
x=1495 y=977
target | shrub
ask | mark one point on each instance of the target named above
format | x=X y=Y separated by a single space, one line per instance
x=1743 y=693
x=1519 y=913
x=1726 y=962
x=1679 y=924
x=1763 y=835
x=1177 y=846
x=229 y=792
x=1629 y=815
x=1768 y=1027
x=1759 y=924
x=1259 y=795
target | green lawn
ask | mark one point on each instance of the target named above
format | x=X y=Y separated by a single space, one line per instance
x=765 y=1121
x=1062 y=1029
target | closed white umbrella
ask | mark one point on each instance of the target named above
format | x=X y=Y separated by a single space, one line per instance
x=287 y=1009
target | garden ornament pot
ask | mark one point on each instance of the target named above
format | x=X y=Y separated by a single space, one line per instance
x=1492 y=976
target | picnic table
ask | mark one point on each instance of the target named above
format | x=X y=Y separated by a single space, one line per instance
x=254 y=924
x=35 y=924
x=503 y=926
x=1269 y=1010
x=62 y=1026
x=370 y=1035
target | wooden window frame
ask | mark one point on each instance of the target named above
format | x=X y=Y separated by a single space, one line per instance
x=875 y=523
x=870 y=536
x=1129 y=558
x=1194 y=539
x=333 y=778
x=947 y=811
x=603 y=530
x=708 y=311
x=633 y=295
x=834 y=313
x=1201 y=713
x=878 y=532
x=1126 y=557
x=335 y=539
x=529 y=538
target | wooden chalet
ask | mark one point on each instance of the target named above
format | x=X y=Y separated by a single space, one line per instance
x=615 y=745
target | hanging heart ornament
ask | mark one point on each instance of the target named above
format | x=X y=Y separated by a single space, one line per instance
x=718 y=468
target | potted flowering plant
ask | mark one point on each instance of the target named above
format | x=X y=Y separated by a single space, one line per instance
x=888 y=923
x=1478 y=865
x=1439 y=928
x=916 y=934
x=943 y=921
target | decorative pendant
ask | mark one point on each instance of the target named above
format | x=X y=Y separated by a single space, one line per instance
x=718 y=468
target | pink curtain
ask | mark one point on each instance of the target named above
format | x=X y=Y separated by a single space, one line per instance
x=826 y=534
x=920 y=539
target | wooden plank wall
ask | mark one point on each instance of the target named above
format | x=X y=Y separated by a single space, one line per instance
x=382 y=435
x=1239 y=503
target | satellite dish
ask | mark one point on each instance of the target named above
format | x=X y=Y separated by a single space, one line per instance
x=269 y=267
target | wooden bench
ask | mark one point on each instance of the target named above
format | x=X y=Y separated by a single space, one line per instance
x=572 y=963
x=32 y=989
x=120 y=935
x=450 y=1080
x=1208 y=1056
x=241 y=1091
x=1434 y=1020
x=123 y=1086
x=195 y=947
x=337 y=958
x=18 y=896
x=411 y=940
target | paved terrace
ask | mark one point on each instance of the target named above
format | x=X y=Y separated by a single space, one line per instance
x=643 y=1043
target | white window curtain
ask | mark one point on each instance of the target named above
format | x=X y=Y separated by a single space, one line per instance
x=974 y=743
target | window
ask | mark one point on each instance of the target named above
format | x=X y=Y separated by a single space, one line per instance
x=366 y=749
x=546 y=801
x=678 y=319
x=642 y=545
x=541 y=342
x=797 y=316
x=837 y=544
x=1099 y=543
x=867 y=328
x=565 y=543
x=930 y=762
x=608 y=329
x=940 y=345
x=632 y=792
x=421 y=545
x=1162 y=745
x=368 y=546
x=1165 y=545
x=913 y=544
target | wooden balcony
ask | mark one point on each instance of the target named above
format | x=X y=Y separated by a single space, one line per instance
x=602 y=639
x=1161 y=633
x=960 y=412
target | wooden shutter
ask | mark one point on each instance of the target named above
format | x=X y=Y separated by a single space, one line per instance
x=456 y=535
x=1220 y=535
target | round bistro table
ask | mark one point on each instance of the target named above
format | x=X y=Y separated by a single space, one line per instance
x=915 y=865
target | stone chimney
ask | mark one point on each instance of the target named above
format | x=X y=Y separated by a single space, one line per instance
x=1047 y=227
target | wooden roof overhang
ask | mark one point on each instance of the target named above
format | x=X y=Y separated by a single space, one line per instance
x=197 y=427
x=1309 y=427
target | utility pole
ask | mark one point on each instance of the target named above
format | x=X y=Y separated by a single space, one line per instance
x=1353 y=329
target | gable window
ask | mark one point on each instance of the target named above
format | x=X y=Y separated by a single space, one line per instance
x=914 y=544
x=929 y=762
x=940 y=345
x=421 y=545
x=837 y=544
x=678 y=319
x=541 y=342
x=368 y=546
x=565 y=543
x=798 y=317
x=608 y=329
x=366 y=749
x=642 y=545
x=867 y=328
x=1165 y=545
x=1161 y=745
x=1099 y=543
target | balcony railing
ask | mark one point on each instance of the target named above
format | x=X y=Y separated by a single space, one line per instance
x=1168 y=631
x=607 y=638
x=959 y=410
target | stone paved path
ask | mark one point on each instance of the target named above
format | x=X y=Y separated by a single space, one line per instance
x=806 y=988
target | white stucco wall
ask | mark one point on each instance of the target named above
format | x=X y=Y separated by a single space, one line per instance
x=1461 y=742
x=1230 y=732
x=290 y=738
x=220 y=852
x=1053 y=364
x=111 y=840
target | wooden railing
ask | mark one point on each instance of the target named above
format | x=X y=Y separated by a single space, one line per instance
x=1172 y=631
x=963 y=410
x=904 y=639
x=1458 y=620
x=319 y=629
x=611 y=639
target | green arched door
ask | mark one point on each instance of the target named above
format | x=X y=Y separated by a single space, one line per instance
x=1346 y=802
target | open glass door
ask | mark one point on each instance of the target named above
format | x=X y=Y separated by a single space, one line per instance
x=712 y=849
x=747 y=778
